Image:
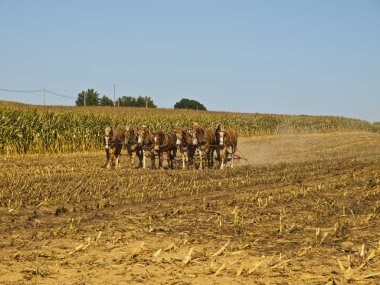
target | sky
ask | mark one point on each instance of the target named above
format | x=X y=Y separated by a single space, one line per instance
x=313 y=57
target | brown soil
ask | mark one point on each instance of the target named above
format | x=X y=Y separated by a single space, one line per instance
x=302 y=210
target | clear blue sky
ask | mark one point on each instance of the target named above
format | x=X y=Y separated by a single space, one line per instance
x=290 y=57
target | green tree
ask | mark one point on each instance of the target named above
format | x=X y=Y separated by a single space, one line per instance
x=189 y=104
x=127 y=101
x=105 y=101
x=88 y=98
x=145 y=102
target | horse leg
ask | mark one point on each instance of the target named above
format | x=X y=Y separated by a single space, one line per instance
x=211 y=157
x=190 y=155
x=174 y=160
x=172 y=157
x=112 y=158
x=183 y=160
x=200 y=159
x=152 y=159
x=210 y=153
x=233 y=149
x=132 y=155
x=144 y=159
x=140 y=156
x=187 y=159
x=160 y=157
x=108 y=156
x=217 y=150
x=223 y=158
x=117 y=155
x=169 y=157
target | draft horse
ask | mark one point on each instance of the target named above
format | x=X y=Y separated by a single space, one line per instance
x=205 y=140
x=227 y=137
x=165 y=143
x=145 y=139
x=113 y=143
x=185 y=145
x=132 y=146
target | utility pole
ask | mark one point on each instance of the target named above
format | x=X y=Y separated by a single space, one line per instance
x=146 y=102
x=44 y=96
x=84 y=98
x=114 y=94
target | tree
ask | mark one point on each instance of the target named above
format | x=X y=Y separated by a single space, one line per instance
x=127 y=101
x=88 y=98
x=105 y=101
x=189 y=104
x=145 y=102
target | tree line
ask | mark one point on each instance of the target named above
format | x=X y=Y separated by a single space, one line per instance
x=90 y=97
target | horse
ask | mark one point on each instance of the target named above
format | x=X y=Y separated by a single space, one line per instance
x=113 y=141
x=227 y=137
x=165 y=143
x=185 y=145
x=146 y=140
x=132 y=146
x=205 y=140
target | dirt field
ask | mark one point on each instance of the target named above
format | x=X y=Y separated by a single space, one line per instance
x=302 y=210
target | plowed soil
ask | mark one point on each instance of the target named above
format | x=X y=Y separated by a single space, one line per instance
x=302 y=209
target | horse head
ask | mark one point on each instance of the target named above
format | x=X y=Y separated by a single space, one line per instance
x=221 y=133
x=158 y=140
x=130 y=135
x=142 y=134
x=181 y=137
x=197 y=135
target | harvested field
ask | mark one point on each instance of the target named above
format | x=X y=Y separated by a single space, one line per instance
x=304 y=209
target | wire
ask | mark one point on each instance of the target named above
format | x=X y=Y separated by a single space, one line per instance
x=38 y=91
x=59 y=95
x=22 y=91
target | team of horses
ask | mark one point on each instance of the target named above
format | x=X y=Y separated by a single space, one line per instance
x=192 y=143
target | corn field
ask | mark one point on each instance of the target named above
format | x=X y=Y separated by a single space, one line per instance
x=25 y=129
